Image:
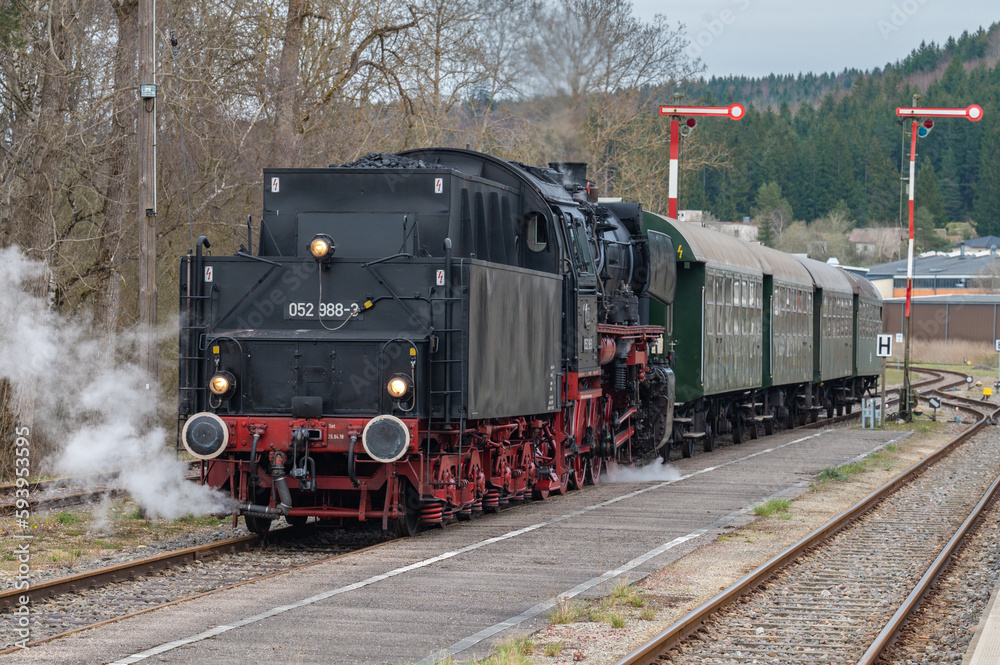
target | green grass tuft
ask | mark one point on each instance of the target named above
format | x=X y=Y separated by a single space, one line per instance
x=772 y=506
x=626 y=593
x=513 y=651
x=565 y=611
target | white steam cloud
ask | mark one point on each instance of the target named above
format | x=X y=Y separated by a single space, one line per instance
x=92 y=406
x=657 y=470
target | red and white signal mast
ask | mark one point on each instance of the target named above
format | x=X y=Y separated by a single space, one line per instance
x=922 y=124
x=689 y=114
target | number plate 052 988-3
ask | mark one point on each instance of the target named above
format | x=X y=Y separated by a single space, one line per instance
x=313 y=311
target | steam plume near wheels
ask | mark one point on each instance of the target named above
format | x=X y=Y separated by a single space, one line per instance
x=90 y=404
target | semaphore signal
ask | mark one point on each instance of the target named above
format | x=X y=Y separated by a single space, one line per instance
x=922 y=125
x=973 y=112
x=734 y=111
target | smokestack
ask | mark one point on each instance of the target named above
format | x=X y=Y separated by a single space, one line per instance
x=575 y=180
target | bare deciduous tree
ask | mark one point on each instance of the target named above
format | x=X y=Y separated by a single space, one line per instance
x=580 y=47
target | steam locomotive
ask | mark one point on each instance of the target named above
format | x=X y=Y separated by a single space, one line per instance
x=424 y=336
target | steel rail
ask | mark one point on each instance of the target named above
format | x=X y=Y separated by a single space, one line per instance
x=651 y=651
x=41 y=485
x=47 y=502
x=888 y=633
x=192 y=597
x=125 y=571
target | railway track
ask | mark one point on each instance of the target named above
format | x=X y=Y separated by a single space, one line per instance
x=166 y=579
x=843 y=592
x=68 y=605
x=64 y=492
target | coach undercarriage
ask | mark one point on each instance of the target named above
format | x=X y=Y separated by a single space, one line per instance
x=760 y=412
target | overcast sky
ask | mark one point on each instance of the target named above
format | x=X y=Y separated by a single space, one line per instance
x=759 y=37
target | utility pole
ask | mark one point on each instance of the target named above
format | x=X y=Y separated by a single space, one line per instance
x=677 y=113
x=920 y=129
x=146 y=135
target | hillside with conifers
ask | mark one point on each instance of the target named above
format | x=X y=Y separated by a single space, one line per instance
x=829 y=151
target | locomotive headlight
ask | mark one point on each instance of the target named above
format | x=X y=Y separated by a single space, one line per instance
x=222 y=383
x=399 y=386
x=322 y=247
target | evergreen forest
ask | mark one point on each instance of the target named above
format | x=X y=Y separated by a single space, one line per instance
x=830 y=145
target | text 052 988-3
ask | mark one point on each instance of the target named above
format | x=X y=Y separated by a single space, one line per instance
x=311 y=310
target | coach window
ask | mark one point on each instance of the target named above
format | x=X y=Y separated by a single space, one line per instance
x=729 y=304
x=709 y=305
x=738 y=311
x=720 y=305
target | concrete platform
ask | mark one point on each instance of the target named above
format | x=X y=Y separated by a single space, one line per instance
x=984 y=649
x=456 y=590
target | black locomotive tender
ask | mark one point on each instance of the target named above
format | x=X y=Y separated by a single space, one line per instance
x=425 y=336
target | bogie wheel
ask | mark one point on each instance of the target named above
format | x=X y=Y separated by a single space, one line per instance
x=594 y=471
x=687 y=447
x=741 y=429
x=738 y=433
x=769 y=426
x=408 y=524
x=258 y=525
x=708 y=443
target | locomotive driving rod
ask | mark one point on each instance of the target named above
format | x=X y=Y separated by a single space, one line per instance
x=284 y=496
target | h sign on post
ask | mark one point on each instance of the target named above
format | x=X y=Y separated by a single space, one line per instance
x=883 y=348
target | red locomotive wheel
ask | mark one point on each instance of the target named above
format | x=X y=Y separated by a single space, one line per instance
x=594 y=471
x=579 y=479
x=563 y=485
x=409 y=523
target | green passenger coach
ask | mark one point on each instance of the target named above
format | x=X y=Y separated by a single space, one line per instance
x=867 y=308
x=759 y=339
x=714 y=330
x=788 y=311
